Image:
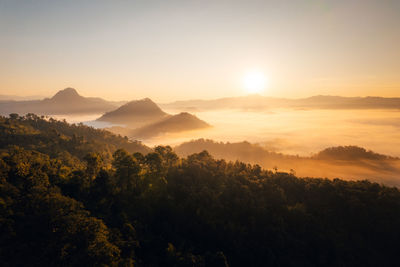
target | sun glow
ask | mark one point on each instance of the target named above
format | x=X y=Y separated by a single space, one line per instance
x=254 y=82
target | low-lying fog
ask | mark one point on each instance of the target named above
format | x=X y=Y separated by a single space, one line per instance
x=296 y=132
x=301 y=132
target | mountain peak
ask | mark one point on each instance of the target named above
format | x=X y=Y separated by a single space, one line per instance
x=144 y=105
x=67 y=94
x=185 y=115
x=134 y=113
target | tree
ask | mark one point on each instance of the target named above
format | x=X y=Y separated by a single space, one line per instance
x=93 y=166
x=126 y=170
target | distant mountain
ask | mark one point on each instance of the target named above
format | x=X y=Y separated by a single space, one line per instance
x=177 y=123
x=245 y=102
x=67 y=95
x=257 y=103
x=145 y=119
x=135 y=114
x=339 y=102
x=19 y=98
x=66 y=101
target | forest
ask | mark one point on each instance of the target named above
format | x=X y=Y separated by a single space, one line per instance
x=347 y=162
x=72 y=195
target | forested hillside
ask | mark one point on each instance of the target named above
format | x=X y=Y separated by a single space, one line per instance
x=346 y=162
x=69 y=142
x=152 y=208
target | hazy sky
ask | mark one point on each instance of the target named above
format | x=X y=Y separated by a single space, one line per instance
x=170 y=50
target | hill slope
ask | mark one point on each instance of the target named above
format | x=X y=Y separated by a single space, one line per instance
x=162 y=210
x=349 y=153
x=135 y=113
x=177 y=123
x=349 y=162
x=55 y=137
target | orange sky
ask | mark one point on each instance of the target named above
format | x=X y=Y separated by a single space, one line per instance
x=170 y=50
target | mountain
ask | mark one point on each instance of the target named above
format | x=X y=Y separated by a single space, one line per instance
x=243 y=103
x=259 y=103
x=135 y=113
x=19 y=98
x=177 y=123
x=340 y=102
x=147 y=120
x=67 y=95
x=66 y=101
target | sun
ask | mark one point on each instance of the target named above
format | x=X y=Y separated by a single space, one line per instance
x=254 y=82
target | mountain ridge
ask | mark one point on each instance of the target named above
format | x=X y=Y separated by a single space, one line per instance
x=66 y=101
x=258 y=102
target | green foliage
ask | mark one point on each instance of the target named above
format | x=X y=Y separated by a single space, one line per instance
x=58 y=139
x=126 y=169
x=41 y=227
x=349 y=153
x=156 y=209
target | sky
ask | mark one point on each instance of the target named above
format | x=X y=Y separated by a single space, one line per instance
x=176 y=50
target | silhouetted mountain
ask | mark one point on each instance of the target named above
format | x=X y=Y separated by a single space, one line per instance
x=135 y=113
x=66 y=101
x=68 y=94
x=257 y=102
x=20 y=98
x=339 y=102
x=173 y=124
x=244 y=102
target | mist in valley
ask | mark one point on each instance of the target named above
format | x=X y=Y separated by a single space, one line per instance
x=199 y=133
x=287 y=140
x=298 y=132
